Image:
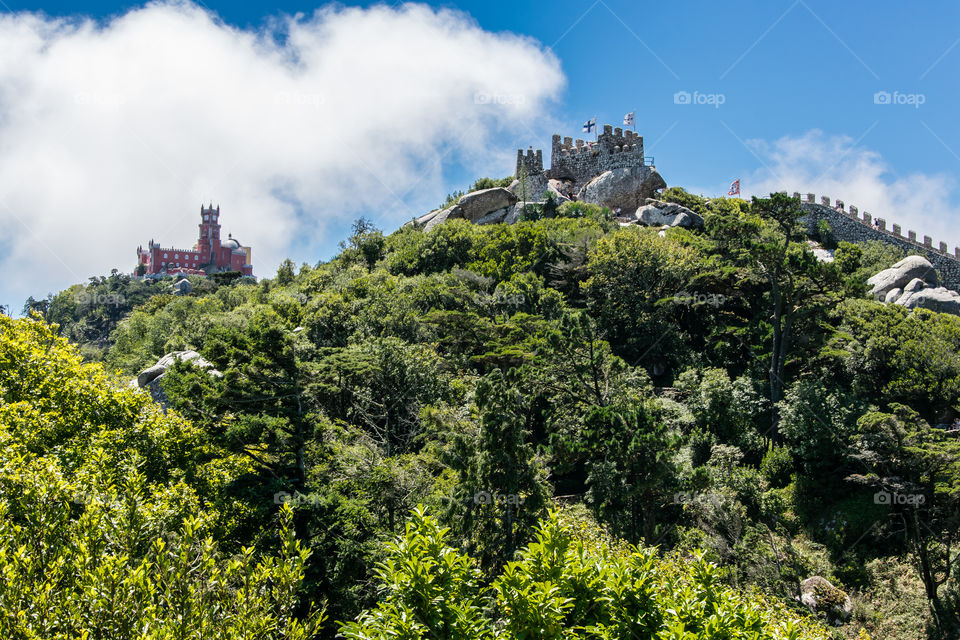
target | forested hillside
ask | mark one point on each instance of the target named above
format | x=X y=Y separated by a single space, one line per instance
x=558 y=428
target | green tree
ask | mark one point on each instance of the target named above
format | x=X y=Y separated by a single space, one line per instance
x=770 y=244
x=635 y=276
x=501 y=494
x=629 y=466
x=916 y=471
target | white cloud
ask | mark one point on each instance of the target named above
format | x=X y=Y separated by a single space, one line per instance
x=112 y=133
x=833 y=165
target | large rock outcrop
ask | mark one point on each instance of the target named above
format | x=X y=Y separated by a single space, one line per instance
x=626 y=188
x=820 y=596
x=900 y=274
x=657 y=213
x=439 y=216
x=911 y=283
x=485 y=206
x=150 y=377
x=476 y=204
x=937 y=299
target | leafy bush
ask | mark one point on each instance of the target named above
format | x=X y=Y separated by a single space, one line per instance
x=568 y=584
x=102 y=530
x=777 y=466
x=577 y=209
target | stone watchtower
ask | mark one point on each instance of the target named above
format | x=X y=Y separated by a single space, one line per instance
x=533 y=162
x=578 y=162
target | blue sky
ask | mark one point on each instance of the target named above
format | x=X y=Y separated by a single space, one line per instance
x=795 y=83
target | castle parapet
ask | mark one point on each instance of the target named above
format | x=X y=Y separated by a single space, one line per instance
x=854 y=225
x=533 y=161
x=580 y=161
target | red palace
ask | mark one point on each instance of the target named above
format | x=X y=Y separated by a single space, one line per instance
x=209 y=255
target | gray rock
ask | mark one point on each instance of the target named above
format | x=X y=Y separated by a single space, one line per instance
x=914 y=285
x=424 y=219
x=900 y=274
x=561 y=190
x=625 y=188
x=812 y=591
x=937 y=299
x=893 y=294
x=149 y=379
x=532 y=188
x=151 y=374
x=514 y=212
x=477 y=204
x=657 y=214
x=494 y=216
x=450 y=213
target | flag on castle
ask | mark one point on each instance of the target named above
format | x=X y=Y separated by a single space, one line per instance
x=734 y=188
x=590 y=125
x=629 y=119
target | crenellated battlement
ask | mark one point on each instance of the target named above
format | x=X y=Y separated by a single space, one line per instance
x=879 y=225
x=851 y=224
x=578 y=161
x=533 y=161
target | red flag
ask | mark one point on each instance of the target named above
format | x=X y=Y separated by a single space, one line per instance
x=734 y=188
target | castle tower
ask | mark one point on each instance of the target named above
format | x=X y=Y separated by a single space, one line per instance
x=533 y=162
x=209 y=242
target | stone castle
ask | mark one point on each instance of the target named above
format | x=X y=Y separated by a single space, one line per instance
x=579 y=162
x=612 y=171
x=208 y=255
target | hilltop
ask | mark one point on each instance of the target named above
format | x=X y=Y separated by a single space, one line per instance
x=713 y=389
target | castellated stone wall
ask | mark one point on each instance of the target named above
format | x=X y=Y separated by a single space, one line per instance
x=581 y=161
x=533 y=161
x=851 y=225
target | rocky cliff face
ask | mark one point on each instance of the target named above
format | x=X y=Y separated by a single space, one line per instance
x=625 y=189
